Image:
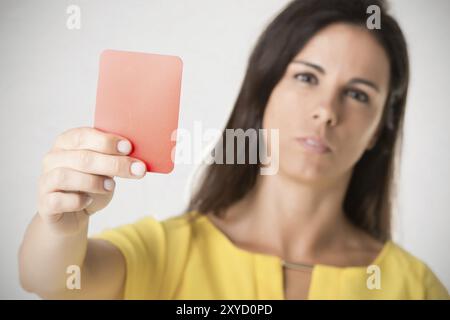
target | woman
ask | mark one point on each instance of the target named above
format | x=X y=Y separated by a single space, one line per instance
x=317 y=229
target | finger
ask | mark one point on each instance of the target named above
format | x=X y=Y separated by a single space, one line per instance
x=61 y=202
x=86 y=138
x=66 y=179
x=95 y=163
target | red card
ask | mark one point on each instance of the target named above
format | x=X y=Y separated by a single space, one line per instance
x=138 y=97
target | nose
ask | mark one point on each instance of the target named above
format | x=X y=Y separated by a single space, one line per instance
x=325 y=113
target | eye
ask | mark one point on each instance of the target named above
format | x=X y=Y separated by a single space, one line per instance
x=306 y=77
x=357 y=95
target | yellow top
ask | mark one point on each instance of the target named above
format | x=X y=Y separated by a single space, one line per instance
x=182 y=258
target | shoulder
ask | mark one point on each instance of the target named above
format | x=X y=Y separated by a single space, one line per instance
x=150 y=237
x=400 y=258
x=135 y=234
x=181 y=220
x=149 y=229
x=188 y=223
x=400 y=265
x=155 y=252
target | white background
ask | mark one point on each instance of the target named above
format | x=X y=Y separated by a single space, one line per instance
x=48 y=77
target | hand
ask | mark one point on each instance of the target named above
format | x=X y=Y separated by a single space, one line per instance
x=77 y=176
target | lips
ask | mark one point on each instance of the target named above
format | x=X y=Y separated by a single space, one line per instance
x=314 y=144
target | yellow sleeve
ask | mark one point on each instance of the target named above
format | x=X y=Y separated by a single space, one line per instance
x=434 y=289
x=143 y=247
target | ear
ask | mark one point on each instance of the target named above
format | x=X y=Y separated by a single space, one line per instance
x=372 y=143
x=374 y=139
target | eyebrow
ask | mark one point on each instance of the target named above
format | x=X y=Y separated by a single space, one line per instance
x=366 y=82
x=312 y=65
x=352 y=81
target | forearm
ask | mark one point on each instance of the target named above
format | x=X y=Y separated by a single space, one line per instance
x=45 y=256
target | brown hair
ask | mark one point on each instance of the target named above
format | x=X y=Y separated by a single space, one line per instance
x=368 y=201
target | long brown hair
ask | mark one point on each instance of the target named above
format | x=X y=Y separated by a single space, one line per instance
x=369 y=199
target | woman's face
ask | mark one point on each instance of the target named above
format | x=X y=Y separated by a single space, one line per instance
x=335 y=88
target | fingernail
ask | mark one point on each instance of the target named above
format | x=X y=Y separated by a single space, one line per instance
x=137 y=168
x=124 y=146
x=108 y=184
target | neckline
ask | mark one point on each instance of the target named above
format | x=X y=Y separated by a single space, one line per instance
x=377 y=260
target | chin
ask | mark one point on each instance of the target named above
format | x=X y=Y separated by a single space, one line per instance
x=304 y=172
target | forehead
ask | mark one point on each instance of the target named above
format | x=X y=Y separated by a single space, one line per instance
x=347 y=50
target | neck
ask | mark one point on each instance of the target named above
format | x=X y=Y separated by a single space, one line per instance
x=297 y=218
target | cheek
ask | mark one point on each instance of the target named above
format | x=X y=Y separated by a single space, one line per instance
x=354 y=138
x=283 y=109
x=278 y=115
